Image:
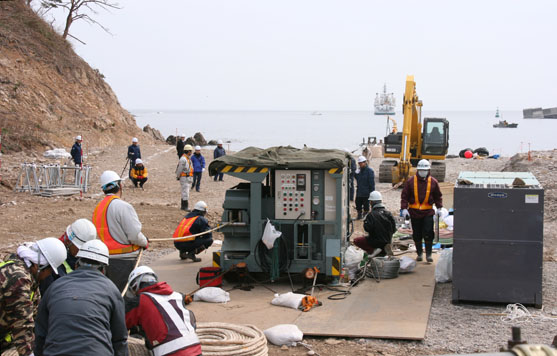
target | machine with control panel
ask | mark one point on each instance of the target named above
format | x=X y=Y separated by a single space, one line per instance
x=302 y=192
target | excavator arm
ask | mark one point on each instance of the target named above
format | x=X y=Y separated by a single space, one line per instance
x=411 y=131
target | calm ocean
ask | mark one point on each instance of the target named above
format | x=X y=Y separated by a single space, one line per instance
x=346 y=129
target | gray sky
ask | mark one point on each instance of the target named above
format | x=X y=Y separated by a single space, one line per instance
x=323 y=54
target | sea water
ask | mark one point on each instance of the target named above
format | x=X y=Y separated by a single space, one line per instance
x=347 y=129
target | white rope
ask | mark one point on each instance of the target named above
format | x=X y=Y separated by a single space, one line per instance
x=184 y=238
x=222 y=339
x=518 y=314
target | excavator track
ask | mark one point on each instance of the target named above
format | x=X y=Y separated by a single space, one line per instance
x=438 y=170
x=386 y=171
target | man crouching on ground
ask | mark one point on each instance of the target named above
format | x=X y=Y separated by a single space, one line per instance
x=193 y=223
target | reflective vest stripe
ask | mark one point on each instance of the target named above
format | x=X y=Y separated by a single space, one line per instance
x=2 y=264
x=67 y=267
x=190 y=171
x=425 y=204
x=101 y=223
x=175 y=322
x=183 y=228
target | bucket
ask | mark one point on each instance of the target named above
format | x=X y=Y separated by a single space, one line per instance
x=205 y=277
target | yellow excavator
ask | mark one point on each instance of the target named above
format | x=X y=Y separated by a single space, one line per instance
x=418 y=140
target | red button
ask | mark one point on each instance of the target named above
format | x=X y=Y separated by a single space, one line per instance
x=302 y=199
x=284 y=209
x=296 y=209
x=284 y=199
x=301 y=204
x=290 y=199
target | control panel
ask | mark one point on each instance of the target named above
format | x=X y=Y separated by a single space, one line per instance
x=293 y=194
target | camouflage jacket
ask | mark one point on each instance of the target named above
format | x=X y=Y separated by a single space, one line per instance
x=19 y=299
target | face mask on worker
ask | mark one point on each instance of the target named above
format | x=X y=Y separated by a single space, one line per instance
x=423 y=174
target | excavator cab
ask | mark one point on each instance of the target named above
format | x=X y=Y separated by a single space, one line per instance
x=435 y=137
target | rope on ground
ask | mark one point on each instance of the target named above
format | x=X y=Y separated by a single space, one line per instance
x=190 y=236
x=222 y=339
x=518 y=314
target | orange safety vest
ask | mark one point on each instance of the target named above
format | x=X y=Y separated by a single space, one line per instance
x=425 y=204
x=183 y=228
x=101 y=223
x=190 y=172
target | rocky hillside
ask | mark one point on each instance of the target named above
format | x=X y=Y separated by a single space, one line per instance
x=48 y=94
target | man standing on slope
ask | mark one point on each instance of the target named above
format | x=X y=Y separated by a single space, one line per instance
x=198 y=162
x=416 y=201
x=133 y=153
x=184 y=173
x=180 y=145
x=365 y=178
x=119 y=228
x=77 y=152
x=219 y=152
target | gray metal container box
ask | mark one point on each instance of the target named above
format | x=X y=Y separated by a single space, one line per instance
x=498 y=238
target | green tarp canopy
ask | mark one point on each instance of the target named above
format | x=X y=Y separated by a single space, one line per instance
x=282 y=157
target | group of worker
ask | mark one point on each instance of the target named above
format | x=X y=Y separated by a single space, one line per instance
x=418 y=195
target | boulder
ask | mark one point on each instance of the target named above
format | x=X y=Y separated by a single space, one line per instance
x=212 y=143
x=199 y=139
x=190 y=141
x=156 y=134
x=171 y=140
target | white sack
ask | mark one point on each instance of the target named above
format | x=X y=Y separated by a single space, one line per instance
x=407 y=264
x=270 y=235
x=449 y=220
x=289 y=300
x=352 y=258
x=57 y=153
x=444 y=268
x=284 y=334
x=212 y=295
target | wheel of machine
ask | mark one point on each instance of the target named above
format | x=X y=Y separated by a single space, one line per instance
x=386 y=171
x=438 y=171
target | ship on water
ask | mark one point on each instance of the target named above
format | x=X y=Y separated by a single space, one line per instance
x=384 y=102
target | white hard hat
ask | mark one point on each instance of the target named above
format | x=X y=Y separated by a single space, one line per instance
x=78 y=138
x=138 y=161
x=219 y=142
x=54 y=251
x=423 y=165
x=361 y=159
x=375 y=196
x=134 y=140
x=198 y=148
x=200 y=205
x=109 y=177
x=182 y=135
x=94 y=250
x=81 y=231
x=139 y=275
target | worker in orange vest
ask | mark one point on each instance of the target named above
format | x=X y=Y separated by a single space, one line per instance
x=193 y=223
x=119 y=228
x=416 y=202
x=184 y=173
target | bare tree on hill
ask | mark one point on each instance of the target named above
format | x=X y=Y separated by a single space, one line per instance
x=77 y=10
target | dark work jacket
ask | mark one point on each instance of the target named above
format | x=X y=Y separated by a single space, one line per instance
x=81 y=314
x=200 y=224
x=133 y=153
x=407 y=196
x=180 y=148
x=380 y=225
x=45 y=283
x=366 y=182
x=218 y=152
x=76 y=153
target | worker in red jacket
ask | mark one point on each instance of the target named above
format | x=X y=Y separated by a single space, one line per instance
x=419 y=194
x=161 y=315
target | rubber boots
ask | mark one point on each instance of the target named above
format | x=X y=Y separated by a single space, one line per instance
x=184 y=205
x=419 y=251
x=359 y=217
x=428 y=249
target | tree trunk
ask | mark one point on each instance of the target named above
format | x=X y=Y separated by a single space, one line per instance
x=69 y=21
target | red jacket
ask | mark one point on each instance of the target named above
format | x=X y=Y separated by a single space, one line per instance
x=407 y=196
x=142 y=311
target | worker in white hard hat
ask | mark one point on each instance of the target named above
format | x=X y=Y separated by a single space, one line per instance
x=380 y=226
x=365 y=180
x=193 y=223
x=180 y=143
x=77 y=151
x=20 y=274
x=184 y=173
x=219 y=152
x=83 y=313
x=134 y=152
x=139 y=173
x=75 y=235
x=157 y=310
x=119 y=228
x=198 y=162
x=419 y=194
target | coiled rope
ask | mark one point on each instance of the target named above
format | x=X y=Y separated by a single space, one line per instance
x=518 y=314
x=222 y=339
x=383 y=268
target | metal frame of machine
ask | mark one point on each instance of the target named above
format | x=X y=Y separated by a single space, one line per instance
x=309 y=206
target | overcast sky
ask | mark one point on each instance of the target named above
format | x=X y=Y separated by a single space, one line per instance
x=325 y=55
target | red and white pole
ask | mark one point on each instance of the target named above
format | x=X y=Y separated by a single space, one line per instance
x=81 y=174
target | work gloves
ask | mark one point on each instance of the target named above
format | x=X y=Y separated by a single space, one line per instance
x=438 y=213
x=405 y=214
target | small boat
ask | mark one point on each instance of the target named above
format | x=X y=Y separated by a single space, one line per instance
x=316 y=113
x=503 y=123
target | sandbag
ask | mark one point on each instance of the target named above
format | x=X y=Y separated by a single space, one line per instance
x=212 y=295
x=284 y=334
x=407 y=264
x=270 y=234
x=444 y=267
x=289 y=300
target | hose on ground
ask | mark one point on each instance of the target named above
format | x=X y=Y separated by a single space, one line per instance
x=223 y=339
